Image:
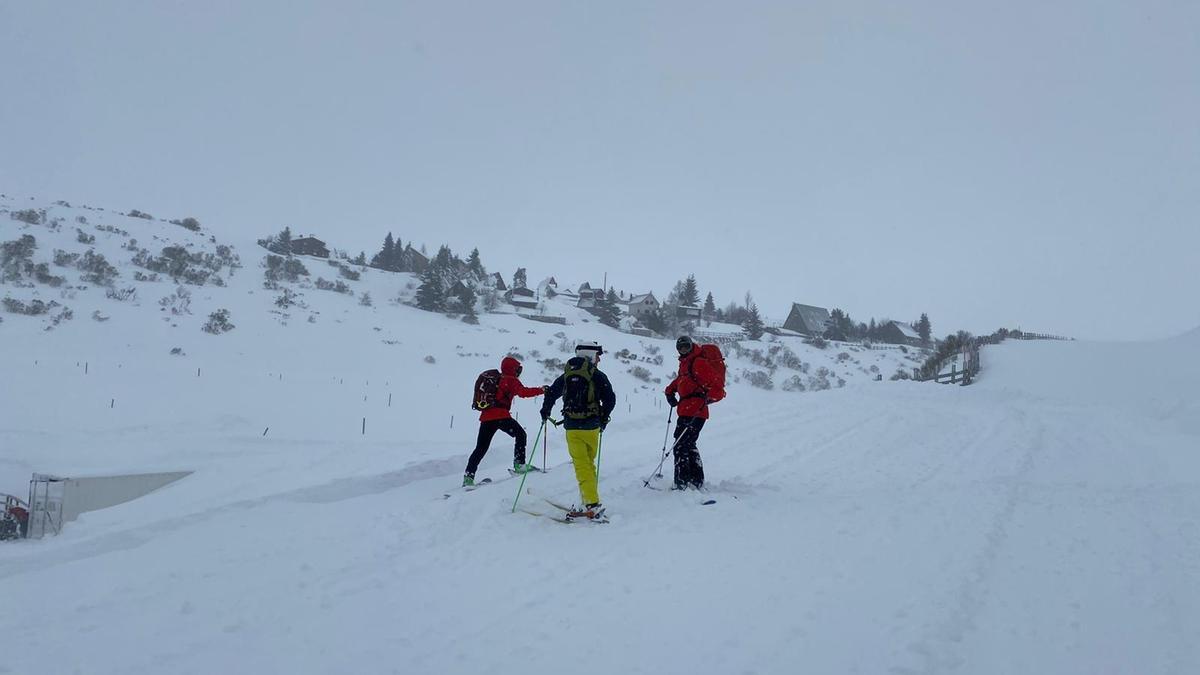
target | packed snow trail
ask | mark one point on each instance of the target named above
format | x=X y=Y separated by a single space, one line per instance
x=998 y=528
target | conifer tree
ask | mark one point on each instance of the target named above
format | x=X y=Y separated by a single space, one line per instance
x=475 y=265
x=753 y=325
x=924 y=328
x=431 y=294
x=285 y=241
x=384 y=260
x=464 y=300
x=690 y=295
x=609 y=309
x=520 y=280
x=710 y=307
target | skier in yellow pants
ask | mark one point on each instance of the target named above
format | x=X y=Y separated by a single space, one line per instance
x=583 y=445
x=588 y=400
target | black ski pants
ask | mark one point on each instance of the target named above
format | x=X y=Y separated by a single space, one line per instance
x=487 y=430
x=689 y=470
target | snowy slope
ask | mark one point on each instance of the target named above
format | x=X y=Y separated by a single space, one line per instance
x=1030 y=523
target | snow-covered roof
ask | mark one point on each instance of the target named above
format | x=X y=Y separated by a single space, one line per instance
x=907 y=330
x=814 y=318
x=639 y=299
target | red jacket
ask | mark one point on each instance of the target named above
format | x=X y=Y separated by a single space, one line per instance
x=692 y=402
x=509 y=388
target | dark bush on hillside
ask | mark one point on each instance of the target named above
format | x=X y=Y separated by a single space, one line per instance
x=96 y=270
x=16 y=258
x=34 y=308
x=29 y=216
x=218 y=322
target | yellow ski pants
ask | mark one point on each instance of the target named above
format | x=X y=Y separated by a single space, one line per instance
x=583 y=445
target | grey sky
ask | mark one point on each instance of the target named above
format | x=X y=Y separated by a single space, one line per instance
x=1032 y=164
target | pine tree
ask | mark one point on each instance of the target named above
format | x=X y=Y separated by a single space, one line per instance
x=690 y=295
x=753 y=325
x=710 y=308
x=384 y=259
x=609 y=310
x=464 y=300
x=520 y=279
x=924 y=328
x=361 y=259
x=475 y=265
x=285 y=241
x=431 y=294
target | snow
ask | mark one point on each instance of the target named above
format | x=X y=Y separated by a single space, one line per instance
x=1041 y=520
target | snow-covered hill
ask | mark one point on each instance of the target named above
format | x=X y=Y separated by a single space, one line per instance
x=1034 y=522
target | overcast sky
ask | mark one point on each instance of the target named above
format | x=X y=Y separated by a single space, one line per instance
x=1023 y=164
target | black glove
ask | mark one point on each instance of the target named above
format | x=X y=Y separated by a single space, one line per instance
x=603 y=424
x=545 y=415
x=672 y=401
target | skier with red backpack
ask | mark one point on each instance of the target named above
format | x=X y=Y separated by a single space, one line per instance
x=494 y=394
x=701 y=381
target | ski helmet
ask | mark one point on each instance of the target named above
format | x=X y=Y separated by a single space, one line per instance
x=684 y=344
x=589 y=349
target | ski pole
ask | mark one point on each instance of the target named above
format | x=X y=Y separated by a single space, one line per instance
x=599 y=442
x=526 y=474
x=658 y=470
x=544 y=442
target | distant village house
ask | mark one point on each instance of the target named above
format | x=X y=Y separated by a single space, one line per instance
x=309 y=246
x=807 y=320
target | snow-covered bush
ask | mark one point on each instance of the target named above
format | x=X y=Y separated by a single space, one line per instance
x=96 y=270
x=793 y=383
x=279 y=269
x=64 y=259
x=99 y=316
x=121 y=294
x=34 y=308
x=818 y=342
x=29 y=216
x=759 y=378
x=900 y=374
x=218 y=322
x=16 y=258
x=337 y=287
x=41 y=274
x=178 y=303
x=286 y=299
x=642 y=374
x=365 y=300
x=134 y=213
x=430 y=359
x=83 y=237
x=188 y=224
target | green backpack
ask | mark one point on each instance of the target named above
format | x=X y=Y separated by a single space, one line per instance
x=579 y=393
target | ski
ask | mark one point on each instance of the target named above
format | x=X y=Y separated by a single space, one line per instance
x=481 y=483
x=532 y=469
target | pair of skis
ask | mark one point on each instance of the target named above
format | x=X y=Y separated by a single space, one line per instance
x=565 y=514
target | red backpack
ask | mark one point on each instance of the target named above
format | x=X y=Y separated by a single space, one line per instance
x=714 y=388
x=486 y=386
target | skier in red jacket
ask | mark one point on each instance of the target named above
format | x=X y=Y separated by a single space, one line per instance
x=695 y=385
x=497 y=418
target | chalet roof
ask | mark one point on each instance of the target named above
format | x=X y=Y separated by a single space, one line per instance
x=639 y=299
x=814 y=318
x=309 y=238
x=907 y=330
x=523 y=292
